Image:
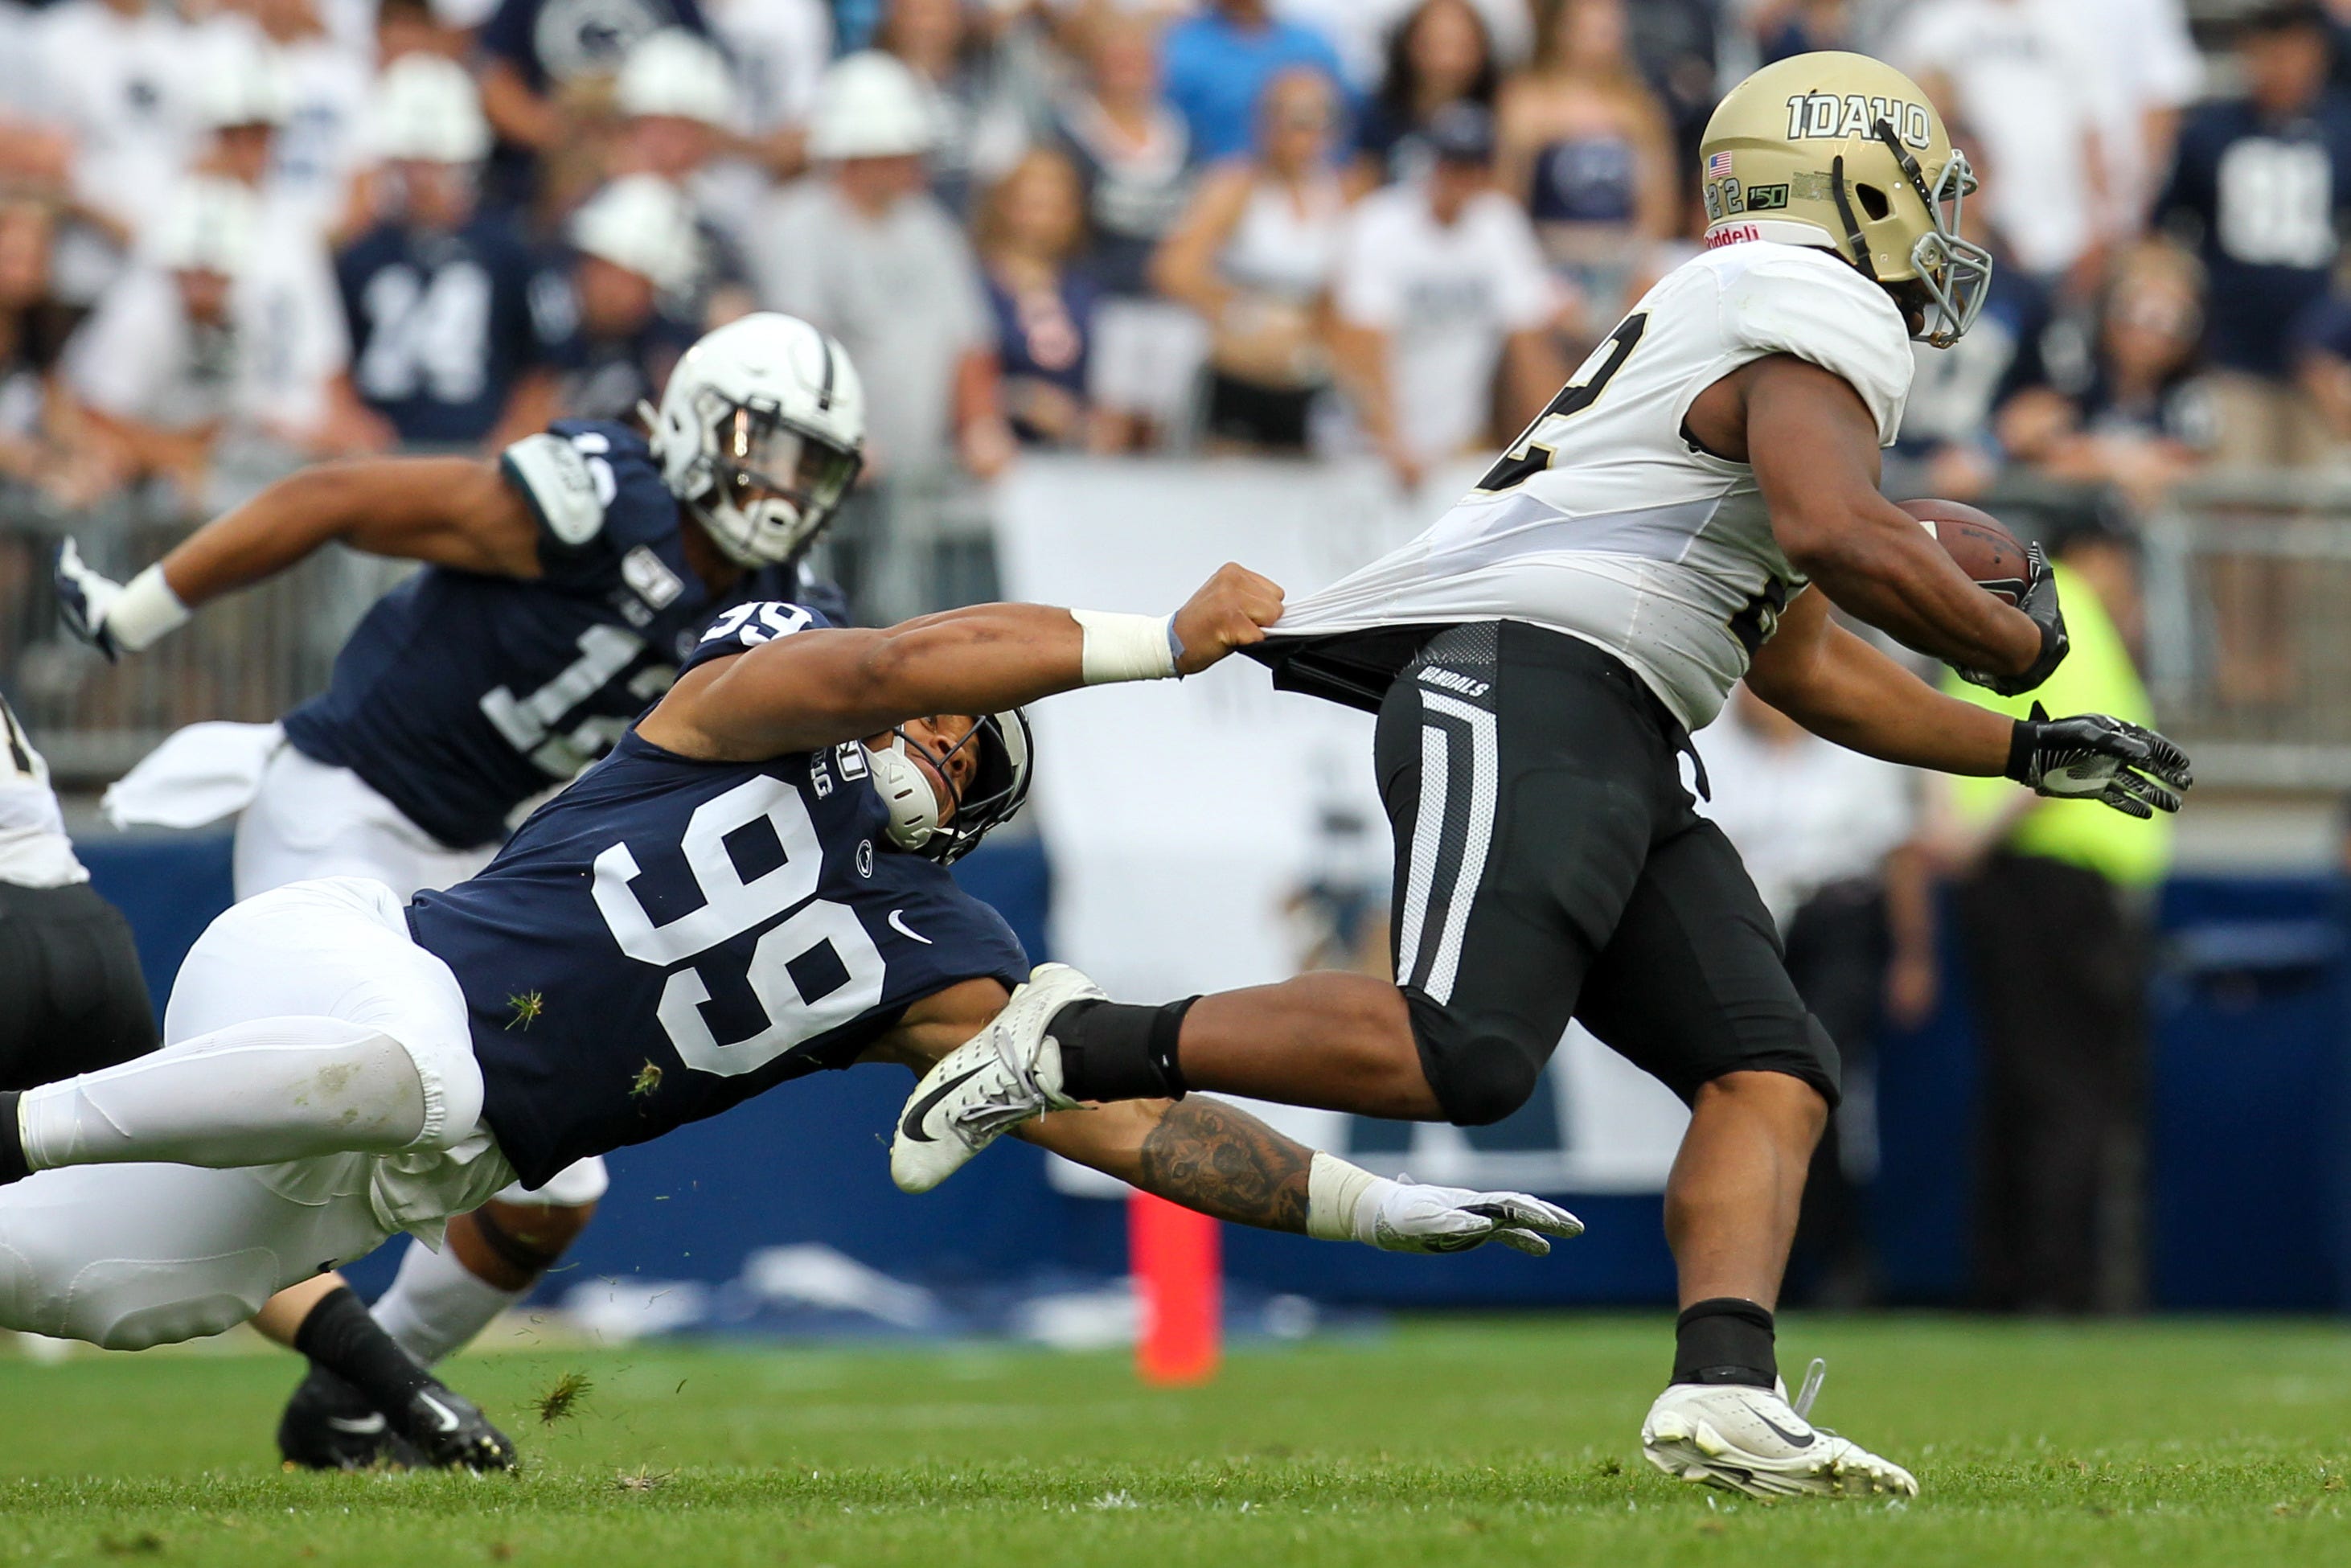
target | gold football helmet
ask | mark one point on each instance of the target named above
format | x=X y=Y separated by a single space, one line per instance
x=1844 y=152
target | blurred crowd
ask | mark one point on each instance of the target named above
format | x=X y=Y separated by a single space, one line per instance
x=334 y=226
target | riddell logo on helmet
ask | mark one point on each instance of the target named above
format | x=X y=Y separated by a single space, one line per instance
x=1730 y=234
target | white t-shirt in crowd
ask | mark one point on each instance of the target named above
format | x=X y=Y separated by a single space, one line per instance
x=901 y=293
x=34 y=848
x=1448 y=295
x=122 y=87
x=2020 y=76
x=2143 y=60
x=323 y=140
x=1803 y=812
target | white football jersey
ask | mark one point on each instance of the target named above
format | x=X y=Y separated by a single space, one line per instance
x=1602 y=522
x=34 y=848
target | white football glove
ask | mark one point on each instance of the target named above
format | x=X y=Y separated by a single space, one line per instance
x=112 y=617
x=1406 y=1215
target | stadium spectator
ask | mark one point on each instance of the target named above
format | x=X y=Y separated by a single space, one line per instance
x=1441 y=282
x=1439 y=54
x=1831 y=838
x=2143 y=421
x=289 y=314
x=1254 y=256
x=160 y=368
x=444 y=302
x=779 y=48
x=1785 y=27
x=1587 y=147
x=326 y=85
x=117 y=78
x=1365 y=31
x=2012 y=74
x=1134 y=154
x=545 y=64
x=676 y=96
x=36 y=445
x=2147 y=72
x=863 y=251
x=1221 y=63
x=979 y=131
x=1028 y=230
x=2260 y=185
x=635 y=273
x=2051 y=903
x=1673 y=43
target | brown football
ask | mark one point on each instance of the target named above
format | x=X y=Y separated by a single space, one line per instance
x=1977 y=542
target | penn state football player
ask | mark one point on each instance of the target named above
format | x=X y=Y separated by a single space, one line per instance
x=564 y=581
x=1537 y=659
x=753 y=886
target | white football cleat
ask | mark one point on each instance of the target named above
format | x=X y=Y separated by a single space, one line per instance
x=1007 y=1074
x=1752 y=1440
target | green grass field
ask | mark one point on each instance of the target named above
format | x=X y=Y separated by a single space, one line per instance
x=1445 y=1442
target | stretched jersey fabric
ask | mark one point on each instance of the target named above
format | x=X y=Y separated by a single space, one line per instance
x=667 y=937
x=461 y=694
x=1603 y=520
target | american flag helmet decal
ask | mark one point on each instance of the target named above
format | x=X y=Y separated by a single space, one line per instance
x=1717 y=166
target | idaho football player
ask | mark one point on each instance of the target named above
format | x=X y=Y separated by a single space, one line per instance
x=1684 y=513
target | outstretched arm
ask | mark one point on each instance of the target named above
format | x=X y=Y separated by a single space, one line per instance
x=1843 y=690
x=452 y=511
x=819 y=688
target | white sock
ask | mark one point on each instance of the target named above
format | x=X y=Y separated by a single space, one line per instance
x=436 y=1305
x=254 y=1094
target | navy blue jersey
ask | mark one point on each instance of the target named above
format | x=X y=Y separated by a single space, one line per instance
x=2265 y=201
x=461 y=696
x=667 y=938
x=442 y=325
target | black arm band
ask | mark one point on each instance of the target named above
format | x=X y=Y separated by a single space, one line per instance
x=2021 y=741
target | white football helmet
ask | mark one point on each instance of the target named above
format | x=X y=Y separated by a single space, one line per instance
x=760 y=432
x=427 y=110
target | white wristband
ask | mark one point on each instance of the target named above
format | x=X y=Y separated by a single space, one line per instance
x=145 y=610
x=1336 y=1194
x=1125 y=647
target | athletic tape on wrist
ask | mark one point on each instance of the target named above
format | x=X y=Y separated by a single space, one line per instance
x=1336 y=1192
x=144 y=610
x=1120 y=647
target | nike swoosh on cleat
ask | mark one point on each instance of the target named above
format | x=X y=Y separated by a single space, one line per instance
x=358 y=1427
x=1786 y=1437
x=903 y=929
x=912 y=1125
x=449 y=1422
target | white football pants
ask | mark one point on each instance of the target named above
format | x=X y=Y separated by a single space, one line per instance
x=312 y=820
x=127 y=1256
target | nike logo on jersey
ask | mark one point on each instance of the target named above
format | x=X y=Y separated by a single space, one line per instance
x=1453 y=680
x=901 y=927
x=1791 y=1438
x=912 y=1125
x=358 y=1426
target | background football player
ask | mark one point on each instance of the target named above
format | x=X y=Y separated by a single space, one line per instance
x=1537 y=659
x=563 y=581
x=752 y=887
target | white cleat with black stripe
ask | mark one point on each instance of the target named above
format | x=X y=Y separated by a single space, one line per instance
x=1007 y=1074
x=1753 y=1440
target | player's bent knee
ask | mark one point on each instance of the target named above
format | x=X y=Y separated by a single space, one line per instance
x=1479 y=1077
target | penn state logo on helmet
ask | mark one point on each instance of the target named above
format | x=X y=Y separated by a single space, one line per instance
x=760 y=432
x=1846 y=154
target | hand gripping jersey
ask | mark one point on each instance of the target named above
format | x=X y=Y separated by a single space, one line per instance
x=1603 y=521
x=461 y=696
x=667 y=938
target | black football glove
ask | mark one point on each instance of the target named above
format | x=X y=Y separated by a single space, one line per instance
x=2092 y=757
x=2039 y=601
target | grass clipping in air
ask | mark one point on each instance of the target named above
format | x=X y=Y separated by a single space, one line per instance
x=561 y=1399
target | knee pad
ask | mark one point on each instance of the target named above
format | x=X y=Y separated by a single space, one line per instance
x=1477 y=1076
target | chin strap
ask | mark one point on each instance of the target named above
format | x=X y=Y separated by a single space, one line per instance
x=1852 y=224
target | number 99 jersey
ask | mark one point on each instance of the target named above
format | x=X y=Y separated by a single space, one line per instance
x=1603 y=520
x=669 y=937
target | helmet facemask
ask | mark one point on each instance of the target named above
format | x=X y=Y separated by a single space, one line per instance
x=1954 y=271
x=1000 y=745
x=766 y=485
